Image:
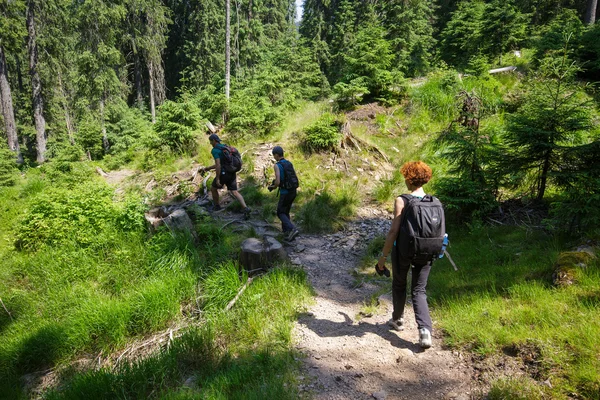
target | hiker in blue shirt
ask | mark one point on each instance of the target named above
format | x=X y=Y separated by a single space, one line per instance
x=223 y=178
x=287 y=185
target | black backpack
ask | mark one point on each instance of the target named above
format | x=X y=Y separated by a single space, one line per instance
x=422 y=229
x=290 y=179
x=231 y=161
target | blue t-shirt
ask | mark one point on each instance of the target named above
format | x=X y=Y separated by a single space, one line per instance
x=217 y=153
x=282 y=176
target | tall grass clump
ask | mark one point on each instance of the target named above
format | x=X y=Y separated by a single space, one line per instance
x=242 y=354
x=329 y=210
x=502 y=301
x=437 y=95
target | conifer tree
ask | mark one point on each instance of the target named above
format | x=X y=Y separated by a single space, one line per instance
x=410 y=30
x=554 y=115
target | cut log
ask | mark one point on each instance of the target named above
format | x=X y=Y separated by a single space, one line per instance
x=211 y=127
x=257 y=254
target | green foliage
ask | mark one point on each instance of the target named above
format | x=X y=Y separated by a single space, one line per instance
x=60 y=216
x=177 y=125
x=348 y=95
x=9 y=172
x=575 y=210
x=554 y=116
x=464 y=199
x=324 y=134
x=563 y=32
x=328 y=211
x=410 y=32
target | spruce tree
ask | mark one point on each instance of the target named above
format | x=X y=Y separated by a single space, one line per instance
x=554 y=116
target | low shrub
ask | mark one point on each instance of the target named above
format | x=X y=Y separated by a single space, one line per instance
x=177 y=125
x=324 y=134
x=8 y=167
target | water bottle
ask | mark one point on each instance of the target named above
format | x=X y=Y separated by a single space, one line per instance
x=444 y=245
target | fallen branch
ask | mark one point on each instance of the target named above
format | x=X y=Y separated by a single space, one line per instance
x=6 y=309
x=232 y=302
x=233 y=221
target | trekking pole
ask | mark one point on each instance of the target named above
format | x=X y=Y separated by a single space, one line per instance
x=450 y=259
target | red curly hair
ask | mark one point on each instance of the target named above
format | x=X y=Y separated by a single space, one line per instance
x=416 y=173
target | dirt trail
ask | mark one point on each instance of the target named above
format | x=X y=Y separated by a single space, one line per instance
x=361 y=358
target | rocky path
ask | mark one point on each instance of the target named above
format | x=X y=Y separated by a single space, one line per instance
x=353 y=357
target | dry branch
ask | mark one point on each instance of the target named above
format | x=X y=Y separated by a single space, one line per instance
x=232 y=302
x=6 y=309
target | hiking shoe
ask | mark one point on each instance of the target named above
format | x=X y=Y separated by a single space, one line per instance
x=424 y=338
x=396 y=324
x=215 y=207
x=292 y=234
x=247 y=212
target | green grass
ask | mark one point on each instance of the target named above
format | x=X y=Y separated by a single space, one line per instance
x=243 y=354
x=502 y=301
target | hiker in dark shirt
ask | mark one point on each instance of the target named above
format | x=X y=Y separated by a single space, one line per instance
x=223 y=178
x=416 y=174
x=287 y=192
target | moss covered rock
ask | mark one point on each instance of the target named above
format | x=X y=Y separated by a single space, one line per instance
x=569 y=265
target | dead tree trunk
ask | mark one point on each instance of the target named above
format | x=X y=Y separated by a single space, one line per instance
x=105 y=142
x=7 y=109
x=36 y=85
x=590 y=12
x=259 y=254
x=65 y=104
x=137 y=72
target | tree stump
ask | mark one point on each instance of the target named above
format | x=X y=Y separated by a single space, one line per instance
x=257 y=254
x=180 y=221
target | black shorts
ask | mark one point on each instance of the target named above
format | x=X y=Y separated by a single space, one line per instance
x=228 y=179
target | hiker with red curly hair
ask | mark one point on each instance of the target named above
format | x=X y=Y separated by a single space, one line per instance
x=416 y=175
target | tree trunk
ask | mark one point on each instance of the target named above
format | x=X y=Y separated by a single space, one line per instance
x=65 y=103
x=36 y=86
x=590 y=12
x=7 y=109
x=227 y=48
x=105 y=142
x=544 y=177
x=152 y=103
x=139 y=98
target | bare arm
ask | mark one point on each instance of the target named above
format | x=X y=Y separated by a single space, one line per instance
x=393 y=232
x=277 y=175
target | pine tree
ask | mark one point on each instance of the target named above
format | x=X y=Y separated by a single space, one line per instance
x=11 y=28
x=503 y=28
x=410 y=30
x=554 y=115
x=462 y=37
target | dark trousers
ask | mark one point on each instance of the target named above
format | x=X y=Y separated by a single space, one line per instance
x=283 y=210
x=420 y=273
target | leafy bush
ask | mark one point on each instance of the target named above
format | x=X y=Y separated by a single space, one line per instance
x=80 y=215
x=464 y=199
x=324 y=134
x=8 y=167
x=177 y=125
x=251 y=115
